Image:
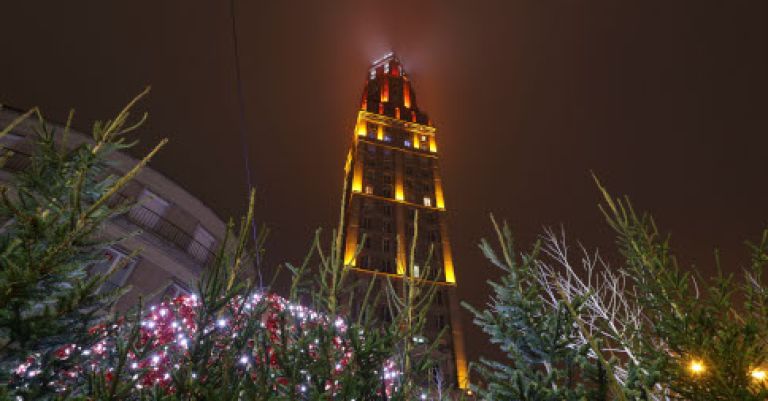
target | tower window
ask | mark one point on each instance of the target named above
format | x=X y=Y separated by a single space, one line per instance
x=387 y=265
x=416 y=271
x=385 y=245
x=440 y=321
x=387 y=138
x=369 y=190
x=427 y=201
x=407 y=143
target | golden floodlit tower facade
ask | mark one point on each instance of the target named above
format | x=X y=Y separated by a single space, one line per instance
x=392 y=172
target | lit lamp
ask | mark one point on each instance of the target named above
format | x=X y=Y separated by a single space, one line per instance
x=696 y=367
x=758 y=375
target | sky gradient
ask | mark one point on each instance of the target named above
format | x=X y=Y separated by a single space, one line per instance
x=666 y=102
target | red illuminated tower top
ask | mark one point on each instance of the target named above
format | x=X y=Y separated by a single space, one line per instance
x=389 y=92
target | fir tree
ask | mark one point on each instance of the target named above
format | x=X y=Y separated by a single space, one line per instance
x=540 y=340
x=228 y=341
x=51 y=215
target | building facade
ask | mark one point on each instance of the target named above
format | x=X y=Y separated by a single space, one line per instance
x=178 y=235
x=391 y=173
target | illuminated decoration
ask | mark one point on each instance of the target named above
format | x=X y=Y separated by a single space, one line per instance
x=168 y=332
x=361 y=129
x=758 y=375
x=432 y=144
x=357 y=176
x=406 y=94
x=402 y=141
x=385 y=91
x=399 y=193
x=697 y=367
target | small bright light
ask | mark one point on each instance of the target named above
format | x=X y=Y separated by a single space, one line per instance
x=221 y=322
x=697 y=367
x=759 y=374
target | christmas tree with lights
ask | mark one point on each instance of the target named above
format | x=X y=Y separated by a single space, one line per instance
x=229 y=340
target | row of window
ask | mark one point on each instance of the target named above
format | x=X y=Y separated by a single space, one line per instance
x=399 y=137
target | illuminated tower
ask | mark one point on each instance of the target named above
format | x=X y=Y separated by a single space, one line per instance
x=391 y=172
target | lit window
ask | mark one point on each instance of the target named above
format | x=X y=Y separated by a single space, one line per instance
x=407 y=144
x=427 y=201
x=373 y=74
x=368 y=189
x=423 y=138
x=416 y=272
x=387 y=138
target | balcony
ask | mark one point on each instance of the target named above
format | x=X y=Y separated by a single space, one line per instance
x=140 y=217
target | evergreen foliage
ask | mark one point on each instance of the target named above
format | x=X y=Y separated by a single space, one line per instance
x=51 y=214
x=538 y=340
x=229 y=341
x=646 y=330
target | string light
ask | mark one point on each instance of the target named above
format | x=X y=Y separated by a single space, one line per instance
x=696 y=367
x=167 y=329
x=758 y=374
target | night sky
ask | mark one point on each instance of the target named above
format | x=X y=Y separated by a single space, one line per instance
x=666 y=101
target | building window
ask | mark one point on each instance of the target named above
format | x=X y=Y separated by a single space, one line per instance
x=387 y=265
x=365 y=223
x=369 y=189
x=440 y=322
x=407 y=143
x=387 y=138
x=427 y=201
x=416 y=271
x=372 y=130
x=438 y=297
x=202 y=245
x=364 y=261
x=114 y=258
x=385 y=245
x=387 y=227
x=175 y=290
x=149 y=209
x=386 y=191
